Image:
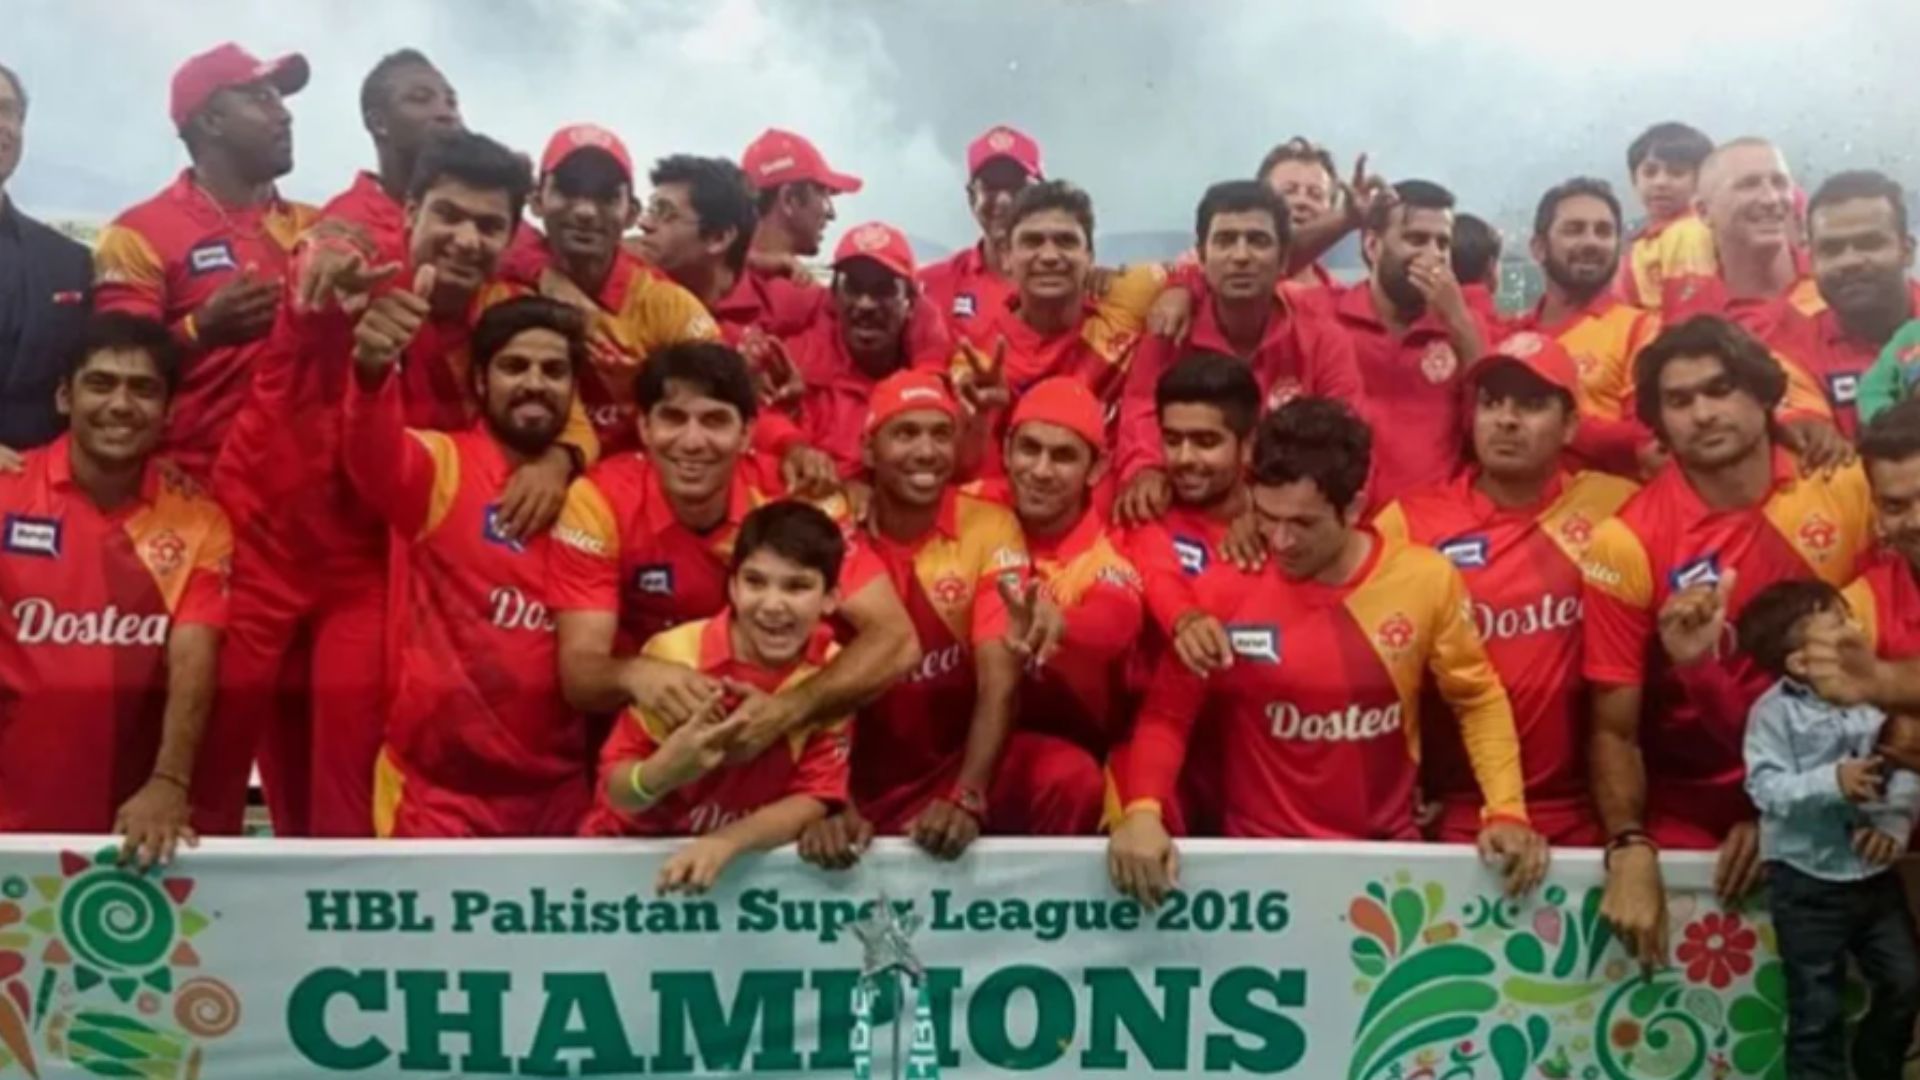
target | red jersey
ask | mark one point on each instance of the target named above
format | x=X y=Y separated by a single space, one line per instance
x=1676 y=248
x=378 y=215
x=1666 y=539
x=773 y=303
x=1414 y=386
x=1094 y=350
x=1170 y=554
x=1300 y=354
x=811 y=761
x=169 y=255
x=1522 y=572
x=1604 y=339
x=909 y=743
x=1320 y=714
x=1886 y=604
x=1706 y=294
x=475 y=704
x=619 y=548
x=87 y=598
x=963 y=287
x=833 y=412
x=636 y=311
x=1818 y=345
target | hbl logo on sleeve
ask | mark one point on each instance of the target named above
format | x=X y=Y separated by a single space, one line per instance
x=33 y=536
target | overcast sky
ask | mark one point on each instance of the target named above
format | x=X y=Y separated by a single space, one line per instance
x=1142 y=102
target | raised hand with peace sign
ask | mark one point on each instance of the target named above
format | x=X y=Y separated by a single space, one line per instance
x=979 y=383
x=1035 y=624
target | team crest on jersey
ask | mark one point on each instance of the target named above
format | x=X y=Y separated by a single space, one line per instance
x=1395 y=633
x=1576 y=530
x=1586 y=364
x=164 y=552
x=950 y=589
x=1704 y=570
x=1260 y=643
x=1466 y=552
x=965 y=306
x=1283 y=391
x=1818 y=534
x=1844 y=389
x=491 y=532
x=654 y=580
x=1439 y=362
x=211 y=256
x=33 y=536
x=1192 y=555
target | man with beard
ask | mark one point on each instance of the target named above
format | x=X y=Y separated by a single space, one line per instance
x=1516 y=524
x=1334 y=641
x=1861 y=250
x=1576 y=241
x=1242 y=232
x=1664 y=162
x=1410 y=325
x=1747 y=198
x=113 y=569
x=643 y=546
x=584 y=199
x=1730 y=514
x=207 y=255
x=971 y=283
x=796 y=188
x=859 y=339
x=312 y=556
x=478 y=740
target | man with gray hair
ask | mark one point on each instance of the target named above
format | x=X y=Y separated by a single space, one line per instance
x=44 y=281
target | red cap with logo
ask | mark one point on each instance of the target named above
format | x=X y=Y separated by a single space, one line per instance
x=905 y=392
x=574 y=138
x=1538 y=353
x=227 y=65
x=781 y=157
x=1064 y=401
x=1002 y=141
x=880 y=242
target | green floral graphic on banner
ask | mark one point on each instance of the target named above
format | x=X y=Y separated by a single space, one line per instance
x=98 y=970
x=1492 y=990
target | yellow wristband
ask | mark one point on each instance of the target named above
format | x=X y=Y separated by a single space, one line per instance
x=647 y=798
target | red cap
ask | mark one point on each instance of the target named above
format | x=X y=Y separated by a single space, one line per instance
x=1538 y=353
x=1002 y=141
x=1065 y=401
x=905 y=392
x=227 y=65
x=574 y=138
x=880 y=242
x=781 y=157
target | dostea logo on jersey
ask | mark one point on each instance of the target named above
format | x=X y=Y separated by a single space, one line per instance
x=1395 y=633
x=1818 y=535
x=513 y=610
x=937 y=664
x=1544 y=615
x=38 y=622
x=710 y=817
x=1355 y=723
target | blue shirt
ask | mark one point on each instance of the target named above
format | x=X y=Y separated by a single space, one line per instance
x=1795 y=740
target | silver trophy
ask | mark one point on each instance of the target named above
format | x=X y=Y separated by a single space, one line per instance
x=889 y=963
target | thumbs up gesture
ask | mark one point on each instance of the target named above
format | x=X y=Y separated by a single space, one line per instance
x=390 y=322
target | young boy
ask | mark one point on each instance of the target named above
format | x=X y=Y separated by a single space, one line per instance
x=654 y=782
x=1664 y=163
x=1831 y=824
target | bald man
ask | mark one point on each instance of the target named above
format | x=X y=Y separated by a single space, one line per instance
x=1748 y=198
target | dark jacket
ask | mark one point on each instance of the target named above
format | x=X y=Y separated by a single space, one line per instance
x=46 y=284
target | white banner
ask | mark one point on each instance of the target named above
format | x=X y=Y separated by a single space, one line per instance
x=265 y=959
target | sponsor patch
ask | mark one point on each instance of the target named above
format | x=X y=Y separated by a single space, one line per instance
x=33 y=536
x=211 y=256
x=1704 y=570
x=1260 y=643
x=1192 y=555
x=965 y=306
x=1844 y=389
x=491 y=532
x=1466 y=552
x=655 y=580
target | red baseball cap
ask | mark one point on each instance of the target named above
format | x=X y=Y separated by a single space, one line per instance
x=1001 y=141
x=1065 y=401
x=905 y=392
x=781 y=157
x=574 y=138
x=227 y=65
x=1538 y=353
x=880 y=242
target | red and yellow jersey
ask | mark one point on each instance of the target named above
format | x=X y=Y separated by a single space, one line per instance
x=1666 y=539
x=1413 y=385
x=1320 y=714
x=475 y=702
x=1886 y=604
x=1170 y=554
x=1301 y=354
x=963 y=288
x=619 y=548
x=87 y=600
x=1523 y=579
x=832 y=415
x=911 y=739
x=811 y=761
x=1095 y=350
x=169 y=255
x=1819 y=346
x=1706 y=294
x=637 y=311
x=1604 y=338
x=1661 y=251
